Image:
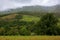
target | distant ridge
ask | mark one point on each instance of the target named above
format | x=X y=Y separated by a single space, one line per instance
x=54 y=9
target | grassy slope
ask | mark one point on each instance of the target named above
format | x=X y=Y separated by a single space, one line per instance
x=29 y=18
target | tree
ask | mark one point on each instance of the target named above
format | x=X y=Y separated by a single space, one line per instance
x=47 y=25
x=18 y=22
x=24 y=31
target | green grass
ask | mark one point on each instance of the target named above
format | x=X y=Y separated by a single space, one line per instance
x=29 y=18
x=29 y=37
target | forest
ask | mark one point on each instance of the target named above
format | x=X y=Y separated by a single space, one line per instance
x=29 y=24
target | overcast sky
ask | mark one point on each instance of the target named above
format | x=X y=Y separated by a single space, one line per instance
x=7 y=4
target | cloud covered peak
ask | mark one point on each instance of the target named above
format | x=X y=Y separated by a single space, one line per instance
x=7 y=4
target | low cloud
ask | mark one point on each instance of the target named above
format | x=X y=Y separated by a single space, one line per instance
x=22 y=1
x=7 y=4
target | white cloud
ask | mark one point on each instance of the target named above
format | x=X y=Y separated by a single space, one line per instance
x=45 y=2
x=7 y=4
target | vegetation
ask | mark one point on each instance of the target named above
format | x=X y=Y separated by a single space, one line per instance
x=25 y=24
x=47 y=25
x=29 y=37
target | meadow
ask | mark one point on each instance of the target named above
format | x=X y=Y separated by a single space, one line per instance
x=29 y=37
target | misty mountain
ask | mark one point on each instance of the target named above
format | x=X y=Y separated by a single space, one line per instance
x=54 y=9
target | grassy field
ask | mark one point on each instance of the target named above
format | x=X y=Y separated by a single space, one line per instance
x=30 y=18
x=29 y=37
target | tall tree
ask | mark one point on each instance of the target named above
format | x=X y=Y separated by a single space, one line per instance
x=47 y=25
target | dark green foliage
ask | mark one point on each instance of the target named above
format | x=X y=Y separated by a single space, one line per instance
x=15 y=26
x=24 y=31
x=47 y=25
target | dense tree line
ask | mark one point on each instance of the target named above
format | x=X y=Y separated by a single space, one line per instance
x=46 y=26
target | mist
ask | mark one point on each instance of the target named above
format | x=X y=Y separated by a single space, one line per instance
x=8 y=4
